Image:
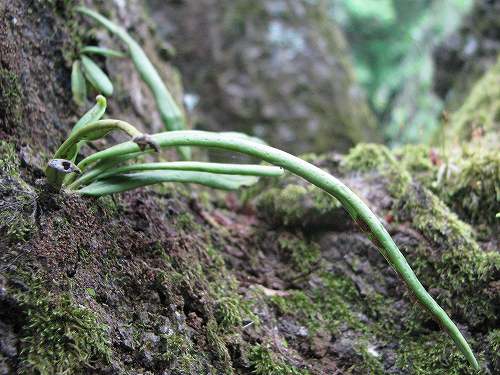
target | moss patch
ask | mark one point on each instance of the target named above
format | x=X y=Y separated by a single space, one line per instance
x=59 y=336
x=432 y=354
x=296 y=205
x=493 y=349
x=326 y=307
x=17 y=199
x=9 y=162
x=366 y=157
x=10 y=99
x=265 y=362
x=417 y=160
x=474 y=192
x=302 y=253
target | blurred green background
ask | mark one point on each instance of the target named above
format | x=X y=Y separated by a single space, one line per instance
x=392 y=43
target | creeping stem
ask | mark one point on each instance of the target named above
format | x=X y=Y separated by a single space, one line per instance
x=358 y=210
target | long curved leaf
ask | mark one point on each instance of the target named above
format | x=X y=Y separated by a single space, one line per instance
x=121 y=183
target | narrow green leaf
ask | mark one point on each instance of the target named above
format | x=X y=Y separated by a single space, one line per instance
x=96 y=50
x=217 y=168
x=78 y=85
x=93 y=131
x=96 y=76
x=56 y=178
x=101 y=167
x=121 y=183
x=93 y=114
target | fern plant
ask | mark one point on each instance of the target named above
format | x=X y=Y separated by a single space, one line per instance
x=107 y=177
x=104 y=172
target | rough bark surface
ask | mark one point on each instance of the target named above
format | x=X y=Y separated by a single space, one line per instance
x=279 y=69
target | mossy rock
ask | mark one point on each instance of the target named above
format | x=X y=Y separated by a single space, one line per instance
x=480 y=113
x=452 y=259
x=300 y=206
x=59 y=335
x=474 y=190
x=265 y=362
x=367 y=157
x=421 y=161
x=17 y=199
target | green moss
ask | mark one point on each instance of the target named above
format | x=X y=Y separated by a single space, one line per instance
x=474 y=192
x=17 y=211
x=493 y=341
x=9 y=162
x=231 y=310
x=323 y=203
x=326 y=307
x=366 y=157
x=108 y=204
x=174 y=345
x=432 y=354
x=178 y=351
x=300 y=305
x=288 y=205
x=59 y=336
x=185 y=221
x=265 y=362
x=303 y=254
x=10 y=98
x=18 y=202
x=370 y=363
x=215 y=340
x=283 y=203
x=416 y=159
